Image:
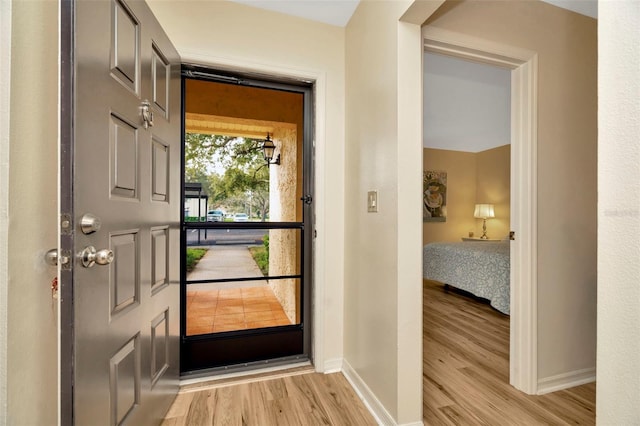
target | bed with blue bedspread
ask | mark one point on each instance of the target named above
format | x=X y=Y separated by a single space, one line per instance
x=481 y=268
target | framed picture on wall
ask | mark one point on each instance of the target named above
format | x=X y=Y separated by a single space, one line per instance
x=434 y=196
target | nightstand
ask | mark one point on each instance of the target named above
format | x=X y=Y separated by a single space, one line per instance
x=488 y=240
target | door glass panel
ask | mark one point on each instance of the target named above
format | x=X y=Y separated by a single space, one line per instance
x=243 y=270
x=242 y=233
x=242 y=305
x=232 y=181
x=248 y=253
x=240 y=279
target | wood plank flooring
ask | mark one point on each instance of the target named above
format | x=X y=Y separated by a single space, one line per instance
x=465 y=380
x=466 y=370
x=295 y=400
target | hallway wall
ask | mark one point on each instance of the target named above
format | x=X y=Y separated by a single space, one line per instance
x=383 y=286
x=618 y=382
x=32 y=350
x=234 y=36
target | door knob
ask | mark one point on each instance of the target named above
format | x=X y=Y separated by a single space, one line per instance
x=90 y=257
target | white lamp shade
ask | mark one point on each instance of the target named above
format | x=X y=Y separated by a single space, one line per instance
x=484 y=211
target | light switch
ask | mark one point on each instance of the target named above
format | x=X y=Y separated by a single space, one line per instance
x=372 y=201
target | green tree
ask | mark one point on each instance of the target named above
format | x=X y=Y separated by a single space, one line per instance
x=231 y=169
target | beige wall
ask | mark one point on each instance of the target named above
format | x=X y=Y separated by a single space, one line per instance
x=493 y=186
x=382 y=250
x=5 y=102
x=32 y=315
x=461 y=194
x=618 y=398
x=370 y=241
x=567 y=136
x=482 y=177
x=229 y=35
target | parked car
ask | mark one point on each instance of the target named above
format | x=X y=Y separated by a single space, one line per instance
x=240 y=217
x=215 y=216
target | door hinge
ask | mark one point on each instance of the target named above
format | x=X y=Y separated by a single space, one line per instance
x=307 y=199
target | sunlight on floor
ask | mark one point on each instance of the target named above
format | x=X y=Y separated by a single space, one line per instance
x=230 y=309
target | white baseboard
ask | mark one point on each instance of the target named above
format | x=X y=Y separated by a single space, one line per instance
x=372 y=403
x=566 y=380
x=333 y=365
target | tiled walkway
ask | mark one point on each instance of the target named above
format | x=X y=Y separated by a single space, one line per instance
x=213 y=311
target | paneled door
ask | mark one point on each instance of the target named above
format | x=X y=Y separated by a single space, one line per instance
x=125 y=216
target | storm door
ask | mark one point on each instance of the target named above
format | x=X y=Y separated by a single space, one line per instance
x=246 y=230
x=120 y=199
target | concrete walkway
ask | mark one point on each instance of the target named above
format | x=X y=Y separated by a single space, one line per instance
x=226 y=261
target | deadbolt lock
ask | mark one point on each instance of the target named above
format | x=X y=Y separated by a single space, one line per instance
x=90 y=224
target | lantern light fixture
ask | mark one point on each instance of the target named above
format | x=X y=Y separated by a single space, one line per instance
x=268 y=150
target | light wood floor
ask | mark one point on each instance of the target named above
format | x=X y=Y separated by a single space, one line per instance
x=466 y=370
x=296 y=400
x=465 y=379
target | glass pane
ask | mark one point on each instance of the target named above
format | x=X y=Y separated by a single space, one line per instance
x=228 y=254
x=227 y=179
x=233 y=306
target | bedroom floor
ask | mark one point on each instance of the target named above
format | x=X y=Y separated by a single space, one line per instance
x=466 y=370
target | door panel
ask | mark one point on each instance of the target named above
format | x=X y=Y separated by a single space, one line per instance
x=126 y=172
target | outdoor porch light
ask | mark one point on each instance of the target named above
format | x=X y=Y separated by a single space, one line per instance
x=268 y=149
x=484 y=211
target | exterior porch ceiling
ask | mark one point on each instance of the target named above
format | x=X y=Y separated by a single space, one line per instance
x=228 y=126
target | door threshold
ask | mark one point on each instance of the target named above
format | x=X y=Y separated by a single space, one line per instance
x=212 y=380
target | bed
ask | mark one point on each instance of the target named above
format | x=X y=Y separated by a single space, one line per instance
x=480 y=268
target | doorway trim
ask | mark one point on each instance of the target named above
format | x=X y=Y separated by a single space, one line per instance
x=319 y=245
x=523 y=362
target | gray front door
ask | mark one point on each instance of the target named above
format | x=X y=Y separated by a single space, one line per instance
x=126 y=175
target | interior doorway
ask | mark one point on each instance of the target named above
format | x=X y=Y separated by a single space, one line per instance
x=247 y=204
x=523 y=204
x=466 y=162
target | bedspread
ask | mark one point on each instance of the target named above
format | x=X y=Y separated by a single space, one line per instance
x=481 y=268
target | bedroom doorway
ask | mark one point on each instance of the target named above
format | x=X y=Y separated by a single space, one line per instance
x=522 y=206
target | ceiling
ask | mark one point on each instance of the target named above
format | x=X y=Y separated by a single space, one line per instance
x=332 y=12
x=338 y=12
x=467 y=105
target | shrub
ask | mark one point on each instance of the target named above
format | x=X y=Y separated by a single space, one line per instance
x=193 y=257
x=261 y=255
